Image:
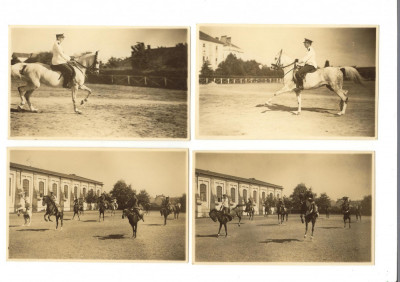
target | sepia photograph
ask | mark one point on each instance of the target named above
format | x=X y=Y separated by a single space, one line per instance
x=283 y=207
x=97 y=204
x=99 y=82
x=286 y=82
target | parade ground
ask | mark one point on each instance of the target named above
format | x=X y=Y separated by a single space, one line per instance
x=91 y=240
x=264 y=241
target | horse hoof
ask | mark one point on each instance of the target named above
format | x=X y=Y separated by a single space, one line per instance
x=296 y=113
x=311 y=237
x=339 y=114
x=82 y=102
x=35 y=111
x=305 y=236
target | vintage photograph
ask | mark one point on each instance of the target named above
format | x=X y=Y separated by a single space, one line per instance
x=99 y=82
x=97 y=204
x=283 y=207
x=286 y=82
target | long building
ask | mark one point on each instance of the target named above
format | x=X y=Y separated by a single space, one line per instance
x=210 y=186
x=215 y=50
x=37 y=182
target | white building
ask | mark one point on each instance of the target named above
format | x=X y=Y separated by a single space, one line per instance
x=210 y=186
x=37 y=182
x=215 y=50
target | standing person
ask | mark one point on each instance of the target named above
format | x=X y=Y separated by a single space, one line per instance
x=225 y=204
x=309 y=64
x=60 y=60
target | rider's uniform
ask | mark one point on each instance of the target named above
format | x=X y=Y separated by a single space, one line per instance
x=310 y=64
x=59 y=62
x=225 y=205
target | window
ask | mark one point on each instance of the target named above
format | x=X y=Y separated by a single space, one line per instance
x=271 y=195
x=255 y=196
x=41 y=188
x=76 y=192
x=84 y=192
x=25 y=186
x=204 y=45
x=245 y=195
x=55 y=189
x=233 y=194
x=219 y=193
x=66 y=191
x=203 y=193
x=263 y=196
x=98 y=193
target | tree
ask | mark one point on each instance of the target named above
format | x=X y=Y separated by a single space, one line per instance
x=91 y=197
x=288 y=203
x=42 y=57
x=122 y=192
x=298 y=193
x=206 y=69
x=271 y=201
x=183 y=202
x=366 y=205
x=323 y=202
x=139 y=57
x=143 y=197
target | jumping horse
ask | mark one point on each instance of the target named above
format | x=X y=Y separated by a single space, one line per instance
x=52 y=209
x=36 y=74
x=133 y=220
x=331 y=77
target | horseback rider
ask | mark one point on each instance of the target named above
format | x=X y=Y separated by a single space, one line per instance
x=311 y=204
x=309 y=63
x=345 y=205
x=54 y=199
x=60 y=62
x=225 y=204
x=135 y=206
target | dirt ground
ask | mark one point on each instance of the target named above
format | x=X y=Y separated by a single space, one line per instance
x=238 y=111
x=112 y=112
x=89 y=239
x=263 y=240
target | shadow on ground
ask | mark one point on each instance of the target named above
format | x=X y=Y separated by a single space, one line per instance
x=207 y=236
x=90 y=220
x=38 y=230
x=330 y=227
x=280 y=241
x=110 y=237
x=154 y=224
x=283 y=108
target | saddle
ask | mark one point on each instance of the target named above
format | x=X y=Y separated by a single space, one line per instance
x=296 y=69
x=51 y=67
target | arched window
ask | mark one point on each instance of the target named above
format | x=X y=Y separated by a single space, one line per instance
x=66 y=191
x=245 y=195
x=255 y=196
x=84 y=192
x=203 y=193
x=76 y=192
x=219 y=193
x=233 y=194
x=41 y=188
x=271 y=195
x=263 y=196
x=98 y=193
x=25 y=186
x=55 y=189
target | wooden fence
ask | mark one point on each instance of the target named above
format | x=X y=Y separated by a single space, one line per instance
x=142 y=81
x=239 y=80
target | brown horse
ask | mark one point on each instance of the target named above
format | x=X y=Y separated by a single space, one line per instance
x=133 y=220
x=165 y=211
x=310 y=213
x=346 y=214
x=250 y=210
x=52 y=209
x=177 y=210
x=76 y=210
x=103 y=205
x=281 y=212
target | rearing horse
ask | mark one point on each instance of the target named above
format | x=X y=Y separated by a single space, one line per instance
x=222 y=218
x=331 y=77
x=36 y=74
x=52 y=209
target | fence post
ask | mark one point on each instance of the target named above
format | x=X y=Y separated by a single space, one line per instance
x=129 y=81
x=112 y=79
x=206 y=80
x=165 y=81
x=145 y=80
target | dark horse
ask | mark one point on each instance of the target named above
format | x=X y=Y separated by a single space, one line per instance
x=76 y=210
x=222 y=218
x=250 y=210
x=282 y=212
x=237 y=211
x=310 y=213
x=52 y=209
x=103 y=205
x=358 y=212
x=346 y=214
x=133 y=220
x=165 y=211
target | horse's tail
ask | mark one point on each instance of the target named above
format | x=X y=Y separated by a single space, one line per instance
x=16 y=70
x=352 y=74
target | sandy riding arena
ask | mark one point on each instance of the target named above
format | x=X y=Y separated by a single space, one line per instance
x=263 y=240
x=89 y=239
x=238 y=111
x=112 y=111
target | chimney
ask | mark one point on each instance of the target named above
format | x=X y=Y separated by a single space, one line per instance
x=148 y=47
x=217 y=38
x=228 y=40
x=223 y=38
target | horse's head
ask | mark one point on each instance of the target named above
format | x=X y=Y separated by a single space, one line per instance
x=281 y=61
x=124 y=213
x=90 y=62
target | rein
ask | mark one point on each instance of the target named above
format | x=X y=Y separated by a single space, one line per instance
x=89 y=68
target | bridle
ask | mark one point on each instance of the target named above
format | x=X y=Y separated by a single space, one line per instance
x=279 y=66
x=92 y=67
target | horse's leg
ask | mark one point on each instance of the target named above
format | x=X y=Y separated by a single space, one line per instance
x=349 y=221
x=88 y=90
x=343 y=96
x=226 y=230
x=219 y=230
x=21 y=91
x=44 y=217
x=312 y=228
x=28 y=100
x=74 y=90
x=240 y=218
x=298 y=95
x=284 y=89
x=56 y=222
x=62 y=220
x=301 y=217
x=305 y=233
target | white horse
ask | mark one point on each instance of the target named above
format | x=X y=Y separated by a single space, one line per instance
x=36 y=74
x=331 y=77
x=25 y=208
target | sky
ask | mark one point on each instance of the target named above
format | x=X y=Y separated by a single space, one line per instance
x=336 y=174
x=110 y=41
x=158 y=172
x=341 y=46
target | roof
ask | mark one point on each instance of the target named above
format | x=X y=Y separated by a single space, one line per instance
x=240 y=179
x=206 y=37
x=44 y=171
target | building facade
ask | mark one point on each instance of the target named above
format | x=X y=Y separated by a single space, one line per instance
x=215 y=50
x=210 y=186
x=37 y=182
